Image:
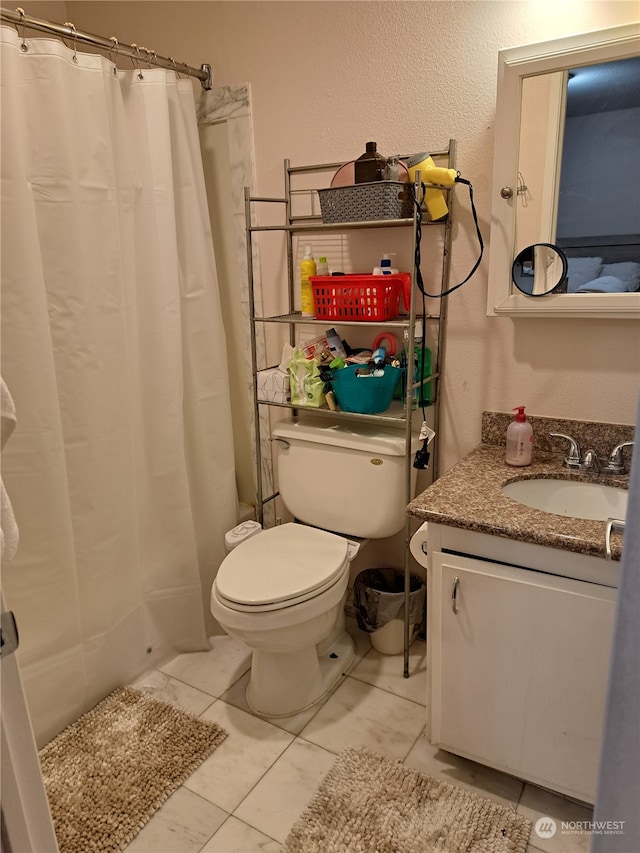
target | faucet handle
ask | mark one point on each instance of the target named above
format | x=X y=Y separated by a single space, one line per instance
x=616 y=459
x=574 y=459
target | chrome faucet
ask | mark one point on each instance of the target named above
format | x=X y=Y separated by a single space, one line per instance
x=616 y=460
x=590 y=461
x=574 y=459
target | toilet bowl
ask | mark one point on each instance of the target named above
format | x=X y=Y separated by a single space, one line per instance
x=282 y=592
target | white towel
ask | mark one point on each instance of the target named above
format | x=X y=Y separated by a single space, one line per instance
x=8 y=528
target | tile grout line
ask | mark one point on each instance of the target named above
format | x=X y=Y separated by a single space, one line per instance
x=271 y=766
x=390 y=692
x=225 y=821
x=420 y=734
x=199 y=689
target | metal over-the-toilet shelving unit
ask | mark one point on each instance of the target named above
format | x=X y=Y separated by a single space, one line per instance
x=400 y=413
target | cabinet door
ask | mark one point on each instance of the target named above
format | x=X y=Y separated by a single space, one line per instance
x=519 y=670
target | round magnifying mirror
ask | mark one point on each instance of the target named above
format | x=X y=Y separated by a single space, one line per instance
x=539 y=269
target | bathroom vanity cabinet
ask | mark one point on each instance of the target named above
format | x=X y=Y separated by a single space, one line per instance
x=519 y=640
x=302 y=219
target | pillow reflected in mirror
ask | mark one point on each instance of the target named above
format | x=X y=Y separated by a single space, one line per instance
x=603 y=284
x=582 y=271
x=627 y=271
x=590 y=275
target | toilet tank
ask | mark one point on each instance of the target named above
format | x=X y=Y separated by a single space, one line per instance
x=348 y=478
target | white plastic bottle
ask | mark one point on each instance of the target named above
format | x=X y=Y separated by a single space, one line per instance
x=385 y=267
x=519 y=439
x=307 y=268
x=322 y=266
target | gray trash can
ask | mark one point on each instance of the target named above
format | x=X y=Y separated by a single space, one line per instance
x=378 y=596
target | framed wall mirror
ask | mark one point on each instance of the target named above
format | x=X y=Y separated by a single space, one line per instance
x=567 y=173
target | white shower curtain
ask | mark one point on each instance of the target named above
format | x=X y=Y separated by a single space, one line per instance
x=120 y=470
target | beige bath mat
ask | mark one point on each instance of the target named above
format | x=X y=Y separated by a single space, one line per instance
x=108 y=772
x=370 y=804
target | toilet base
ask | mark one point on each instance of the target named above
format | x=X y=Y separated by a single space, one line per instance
x=285 y=683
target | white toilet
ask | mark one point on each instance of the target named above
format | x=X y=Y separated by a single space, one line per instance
x=282 y=591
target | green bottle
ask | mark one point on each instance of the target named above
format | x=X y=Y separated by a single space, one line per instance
x=423 y=395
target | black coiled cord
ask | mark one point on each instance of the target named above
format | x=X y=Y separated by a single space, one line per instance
x=418 y=209
x=421 y=459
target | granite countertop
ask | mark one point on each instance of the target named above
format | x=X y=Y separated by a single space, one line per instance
x=470 y=496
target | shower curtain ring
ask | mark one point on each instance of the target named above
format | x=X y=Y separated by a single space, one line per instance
x=151 y=58
x=24 y=47
x=75 y=40
x=175 y=67
x=116 y=44
x=135 y=62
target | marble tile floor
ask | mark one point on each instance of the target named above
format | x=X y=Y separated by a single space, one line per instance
x=245 y=797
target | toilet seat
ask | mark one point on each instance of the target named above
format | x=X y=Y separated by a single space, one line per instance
x=281 y=567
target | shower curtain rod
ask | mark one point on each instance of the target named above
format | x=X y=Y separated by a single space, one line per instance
x=111 y=45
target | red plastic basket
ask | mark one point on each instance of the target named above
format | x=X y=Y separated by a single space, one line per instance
x=356 y=297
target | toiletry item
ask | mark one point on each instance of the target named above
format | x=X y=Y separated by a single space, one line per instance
x=316 y=348
x=360 y=356
x=424 y=394
x=379 y=355
x=307 y=268
x=392 y=169
x=322 y=266
x=370 y=165
x=330 y=397
x=385 y=267
x=400 y=391
x=519 y=439
x=379 y=359
x=335 y=343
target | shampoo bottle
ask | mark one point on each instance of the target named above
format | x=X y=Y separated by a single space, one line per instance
x=519 y=439
x=307 y=268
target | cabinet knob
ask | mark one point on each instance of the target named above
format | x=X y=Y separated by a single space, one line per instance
x=506 y=192
x=454 y=595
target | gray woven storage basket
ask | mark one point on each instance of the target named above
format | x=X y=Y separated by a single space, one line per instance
x=366 y=202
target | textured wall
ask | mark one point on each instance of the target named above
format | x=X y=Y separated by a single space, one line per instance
x=48 y=10
x=327 y=76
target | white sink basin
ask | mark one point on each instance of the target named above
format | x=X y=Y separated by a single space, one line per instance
x=576 y=499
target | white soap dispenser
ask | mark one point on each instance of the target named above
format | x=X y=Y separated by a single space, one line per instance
x=519 y=439
x=385 y=267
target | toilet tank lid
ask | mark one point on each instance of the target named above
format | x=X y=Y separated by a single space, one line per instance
x=382 y=440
